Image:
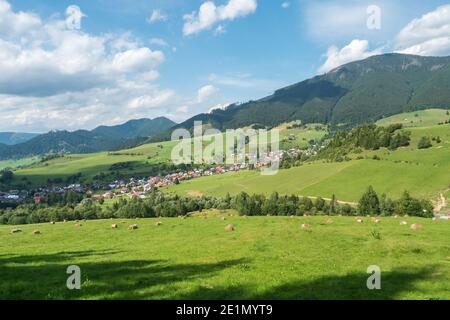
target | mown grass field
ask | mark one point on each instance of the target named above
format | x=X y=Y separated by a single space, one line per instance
x=425 y=173
x=141 y=157
x=264 y=258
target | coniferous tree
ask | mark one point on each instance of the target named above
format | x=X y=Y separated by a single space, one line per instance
x=369 y=203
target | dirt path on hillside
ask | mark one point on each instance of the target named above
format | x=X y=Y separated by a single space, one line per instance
x=441 y=204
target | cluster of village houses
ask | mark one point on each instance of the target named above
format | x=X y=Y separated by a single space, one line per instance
x=137 y=187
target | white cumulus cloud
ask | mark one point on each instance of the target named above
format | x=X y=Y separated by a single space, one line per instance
x=355 y=50
x=209 y=14
x=53 y=76
x=427 y=35
x=207 y=92
x=15 y=23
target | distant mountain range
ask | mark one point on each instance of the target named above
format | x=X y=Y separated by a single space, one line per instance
x=11 y=138
x=102 y=138
x=358 y=92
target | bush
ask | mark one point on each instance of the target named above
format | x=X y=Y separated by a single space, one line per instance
x=424 y=143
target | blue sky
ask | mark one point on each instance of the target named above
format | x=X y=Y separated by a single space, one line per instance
x=117 y=62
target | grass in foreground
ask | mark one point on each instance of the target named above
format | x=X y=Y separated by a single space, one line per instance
x=265 y=258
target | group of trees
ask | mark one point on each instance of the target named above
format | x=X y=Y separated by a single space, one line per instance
x=168 y=205
x=427 y=142
x=68 y=207
x=371 y=204
x=365 y=137
x=6 y=176
x=275 y=204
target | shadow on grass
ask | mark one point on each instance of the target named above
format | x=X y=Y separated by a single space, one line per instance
x=346 y=287
x=44 y=277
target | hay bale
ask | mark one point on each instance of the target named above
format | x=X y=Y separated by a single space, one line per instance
x=306 y=226
x=158 y=223
x=416 y=226
x=229 y=228
x=329 y=221
x=292 y=217
x=396 y=216
x=377 y=221
x=52 y=222
x=359 y=220
x=133 y=227
x=36 y=232
x=223 y=218
x=16 y=230
x=403 y=223
x=436 y=219
x=114 y=226
x=78 y=225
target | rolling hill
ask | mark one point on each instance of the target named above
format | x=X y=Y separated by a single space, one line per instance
x=355 y=93
x=102 y=138
x=141 y=159
x=422 y=172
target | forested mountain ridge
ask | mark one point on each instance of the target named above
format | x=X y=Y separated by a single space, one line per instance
x=102 y=138
x=358 y=92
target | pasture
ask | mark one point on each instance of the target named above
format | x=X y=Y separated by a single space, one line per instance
x=13 y=164
x=195 y=258
x=421 y=118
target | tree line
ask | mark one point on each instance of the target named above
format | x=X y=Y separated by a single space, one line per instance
x=158 y=204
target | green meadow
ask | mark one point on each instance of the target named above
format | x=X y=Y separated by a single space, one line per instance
x=195 y=258
x=421 y=118
x=13 y=164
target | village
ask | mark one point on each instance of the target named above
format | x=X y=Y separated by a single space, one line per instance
x=137 y=187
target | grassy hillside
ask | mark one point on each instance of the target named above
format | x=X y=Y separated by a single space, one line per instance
x=141 y=157
x=421 y=118
x=91 y=165
x=17 y=163
x=422 y=172
x=265 y=258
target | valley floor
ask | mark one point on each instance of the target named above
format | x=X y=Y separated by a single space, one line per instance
x=195 y=258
